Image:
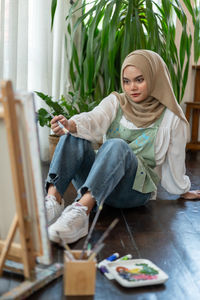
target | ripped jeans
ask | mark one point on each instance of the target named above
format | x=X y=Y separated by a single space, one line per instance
x=108 y=175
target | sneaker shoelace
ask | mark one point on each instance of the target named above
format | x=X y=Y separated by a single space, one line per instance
x=72 y=214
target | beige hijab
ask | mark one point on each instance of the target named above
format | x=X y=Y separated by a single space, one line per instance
x=159 y=86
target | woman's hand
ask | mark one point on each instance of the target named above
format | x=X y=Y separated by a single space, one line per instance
x=69 y=125
x=191 y=195
x=55 y=126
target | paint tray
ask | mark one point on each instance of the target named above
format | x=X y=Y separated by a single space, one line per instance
x=136 y=272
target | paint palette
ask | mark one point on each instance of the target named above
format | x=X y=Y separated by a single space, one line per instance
x=136 y=272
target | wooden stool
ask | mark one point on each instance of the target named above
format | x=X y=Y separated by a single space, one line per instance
x=194 y=107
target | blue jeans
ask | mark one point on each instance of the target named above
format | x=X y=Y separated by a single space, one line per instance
x=108 y=175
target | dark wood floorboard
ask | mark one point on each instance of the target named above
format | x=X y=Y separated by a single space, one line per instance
x=165 y=231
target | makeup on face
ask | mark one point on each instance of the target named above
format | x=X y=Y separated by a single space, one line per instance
x=134 y=84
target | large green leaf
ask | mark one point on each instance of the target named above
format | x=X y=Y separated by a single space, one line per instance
x=53 y=10
x=197 y=38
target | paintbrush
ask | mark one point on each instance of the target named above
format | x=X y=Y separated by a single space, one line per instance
x=106 y=233
x=96 y=251
x=85 y=245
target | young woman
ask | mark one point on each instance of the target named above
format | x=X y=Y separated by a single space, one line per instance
x=145 y=134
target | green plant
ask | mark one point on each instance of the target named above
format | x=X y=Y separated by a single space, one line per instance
x=110 y=29
x=196 y=22
x=66 y=106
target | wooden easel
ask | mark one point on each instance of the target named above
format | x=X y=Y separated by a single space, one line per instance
x=23 y=252
x=21 y=220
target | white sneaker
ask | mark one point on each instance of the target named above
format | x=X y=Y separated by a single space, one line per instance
x=53 y=208
x=71 y=226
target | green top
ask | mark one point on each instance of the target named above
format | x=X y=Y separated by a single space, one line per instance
x=142 y=142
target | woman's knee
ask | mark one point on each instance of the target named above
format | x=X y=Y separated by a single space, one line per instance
x=120 y=148
x=116 y=144
x=71 y=142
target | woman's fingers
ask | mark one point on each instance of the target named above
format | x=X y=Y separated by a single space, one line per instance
x=191 y=195
x=55 y=124
x=56 y=129
x=196 y=194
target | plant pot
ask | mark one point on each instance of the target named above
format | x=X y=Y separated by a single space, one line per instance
x=53 y=141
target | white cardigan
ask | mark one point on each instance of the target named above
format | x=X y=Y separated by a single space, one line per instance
x=170 y=141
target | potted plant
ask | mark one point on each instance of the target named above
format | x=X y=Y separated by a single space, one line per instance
x=113 y=28
x=67 y=106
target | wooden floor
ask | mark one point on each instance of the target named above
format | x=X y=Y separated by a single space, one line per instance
x=165 y=231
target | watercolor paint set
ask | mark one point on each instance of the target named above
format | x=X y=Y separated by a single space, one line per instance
x=136 y=272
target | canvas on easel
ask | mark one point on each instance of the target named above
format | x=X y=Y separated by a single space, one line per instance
x=23 y=226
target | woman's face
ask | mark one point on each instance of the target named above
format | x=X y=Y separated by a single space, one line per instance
x=134 y=84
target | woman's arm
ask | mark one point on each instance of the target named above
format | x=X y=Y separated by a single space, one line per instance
x=94 y=124
x=89 y=125
x=173 y=169
x=171 y=143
